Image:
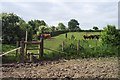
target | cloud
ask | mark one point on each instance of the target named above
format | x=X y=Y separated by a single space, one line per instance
x=87 y=13
x=59 y=0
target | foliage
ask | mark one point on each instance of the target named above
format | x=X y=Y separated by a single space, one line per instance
x=110 y=35
x=56 y=33
x=43 y=29
x=9 y=57
x=37 y=25
x=6 y=47
x=70 y=50
x=53 y=28
x=73 y=25
x=95 y=28
x=88 y=48
x=12 y=28
x=72 y=37
x=61 y=26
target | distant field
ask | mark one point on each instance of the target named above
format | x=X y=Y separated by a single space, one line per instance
x=55 y=41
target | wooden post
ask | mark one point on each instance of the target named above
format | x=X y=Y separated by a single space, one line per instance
x=63 y=46
x=41 y=49
x=26 y=44
x=22 y=51
x=17 y=45
x=26 y=36
x=31 y=57
x=78 y=46
x=28 y=55
x=66 y=35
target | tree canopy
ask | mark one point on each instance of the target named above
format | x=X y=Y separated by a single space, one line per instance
x=36 y=24
x=95 y=28
x=61 y=26
x=73 y=24
x=14 y=27
x=11 y=29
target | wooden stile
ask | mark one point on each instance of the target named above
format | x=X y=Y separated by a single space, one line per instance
x=22 y=51
x=41 y=49
x=17 y=45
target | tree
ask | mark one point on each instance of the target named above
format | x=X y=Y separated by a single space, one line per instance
x=12 y=29
x=61 y=26
x=110 y=35
x=36 y=24
x=53 y=28
x=73 y=24
x=42 y=22
x=95 y=28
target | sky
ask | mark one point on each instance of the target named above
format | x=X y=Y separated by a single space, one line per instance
x=88 y=13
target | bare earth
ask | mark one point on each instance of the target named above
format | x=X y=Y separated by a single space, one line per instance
x=74 y=68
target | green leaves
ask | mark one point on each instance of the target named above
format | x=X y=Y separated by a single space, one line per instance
x=73 y=24
x=110 y=35
x=12 y=29
x=95 y=28
x=61 y=26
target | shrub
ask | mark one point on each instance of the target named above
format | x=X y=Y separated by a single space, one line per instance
x=110 y=35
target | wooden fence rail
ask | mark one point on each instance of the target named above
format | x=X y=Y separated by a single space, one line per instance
x=10 y=51
x=22 y=46
x=24 y=49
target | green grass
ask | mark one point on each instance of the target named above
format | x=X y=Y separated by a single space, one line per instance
x=10 y=57
x=56 y=41
x=92 y=46
x=7 y=47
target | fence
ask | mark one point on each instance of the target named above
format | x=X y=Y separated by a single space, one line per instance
x=23 y=50
x=82 y=48
x=88 y=48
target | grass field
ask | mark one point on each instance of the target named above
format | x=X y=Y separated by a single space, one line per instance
x=56 y=41
x=91 y=47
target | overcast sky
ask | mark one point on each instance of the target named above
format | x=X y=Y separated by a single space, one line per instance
x=88 y=13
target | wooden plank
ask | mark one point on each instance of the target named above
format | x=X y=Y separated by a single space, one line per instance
x=10 y=51
x=32 y=48
x=33 y=42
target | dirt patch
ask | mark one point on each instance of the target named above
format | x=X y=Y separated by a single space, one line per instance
x=75 y=68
